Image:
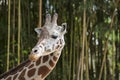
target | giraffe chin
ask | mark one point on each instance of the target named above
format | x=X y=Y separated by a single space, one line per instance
x=33 y=57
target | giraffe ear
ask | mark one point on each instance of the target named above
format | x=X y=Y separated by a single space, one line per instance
x=38 y=30
x=64 y=27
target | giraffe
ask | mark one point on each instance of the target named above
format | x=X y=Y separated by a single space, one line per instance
x=44 y=55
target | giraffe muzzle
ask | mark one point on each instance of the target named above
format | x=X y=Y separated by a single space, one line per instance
x=36 y=53
x=33 y=57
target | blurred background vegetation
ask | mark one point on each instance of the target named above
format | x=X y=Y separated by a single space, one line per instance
x=92 y=50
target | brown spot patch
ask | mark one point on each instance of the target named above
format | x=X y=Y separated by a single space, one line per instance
x=15 y=70
x=33 y=79
x=45 y=58
x=49 y=50
x=51 y=54
x=60 y=41
x=14 y=78
x=43 y=71
x=38 y=61
x=51 y=63
x=54 y=58
x=57 y=47
x=31 y=72
x=21 y=69
x=27 y=64
x=31 y=66
x=21 y=77
x=9 y=78
x=61 y=46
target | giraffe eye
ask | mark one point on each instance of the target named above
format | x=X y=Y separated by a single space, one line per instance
x=54 y=36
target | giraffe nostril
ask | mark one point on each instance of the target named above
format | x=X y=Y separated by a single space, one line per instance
x=35 y=51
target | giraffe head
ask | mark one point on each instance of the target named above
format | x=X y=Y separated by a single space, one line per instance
x=50 y=38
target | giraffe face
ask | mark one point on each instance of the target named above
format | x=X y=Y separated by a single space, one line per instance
x=51 y=38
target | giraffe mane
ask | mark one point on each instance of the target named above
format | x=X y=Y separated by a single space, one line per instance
x=16 y=69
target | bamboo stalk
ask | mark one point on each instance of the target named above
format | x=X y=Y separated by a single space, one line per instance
x=79 y=59
x=113 y=58
x=83 y=40
x=28 y=22
x=8 y=43
x=87 y=60
x=106 y=48
x=71 y=50
x=13 y=33
x=19 y=29
x=73 y=57
x=40 y=13
x=81 y=63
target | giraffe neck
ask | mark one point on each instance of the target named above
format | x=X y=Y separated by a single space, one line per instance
x=30 y=70
x=45 y=65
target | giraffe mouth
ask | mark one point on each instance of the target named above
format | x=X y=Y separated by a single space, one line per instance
x=33 y=57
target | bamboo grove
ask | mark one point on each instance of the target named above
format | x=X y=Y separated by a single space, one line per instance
x=92 y=50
